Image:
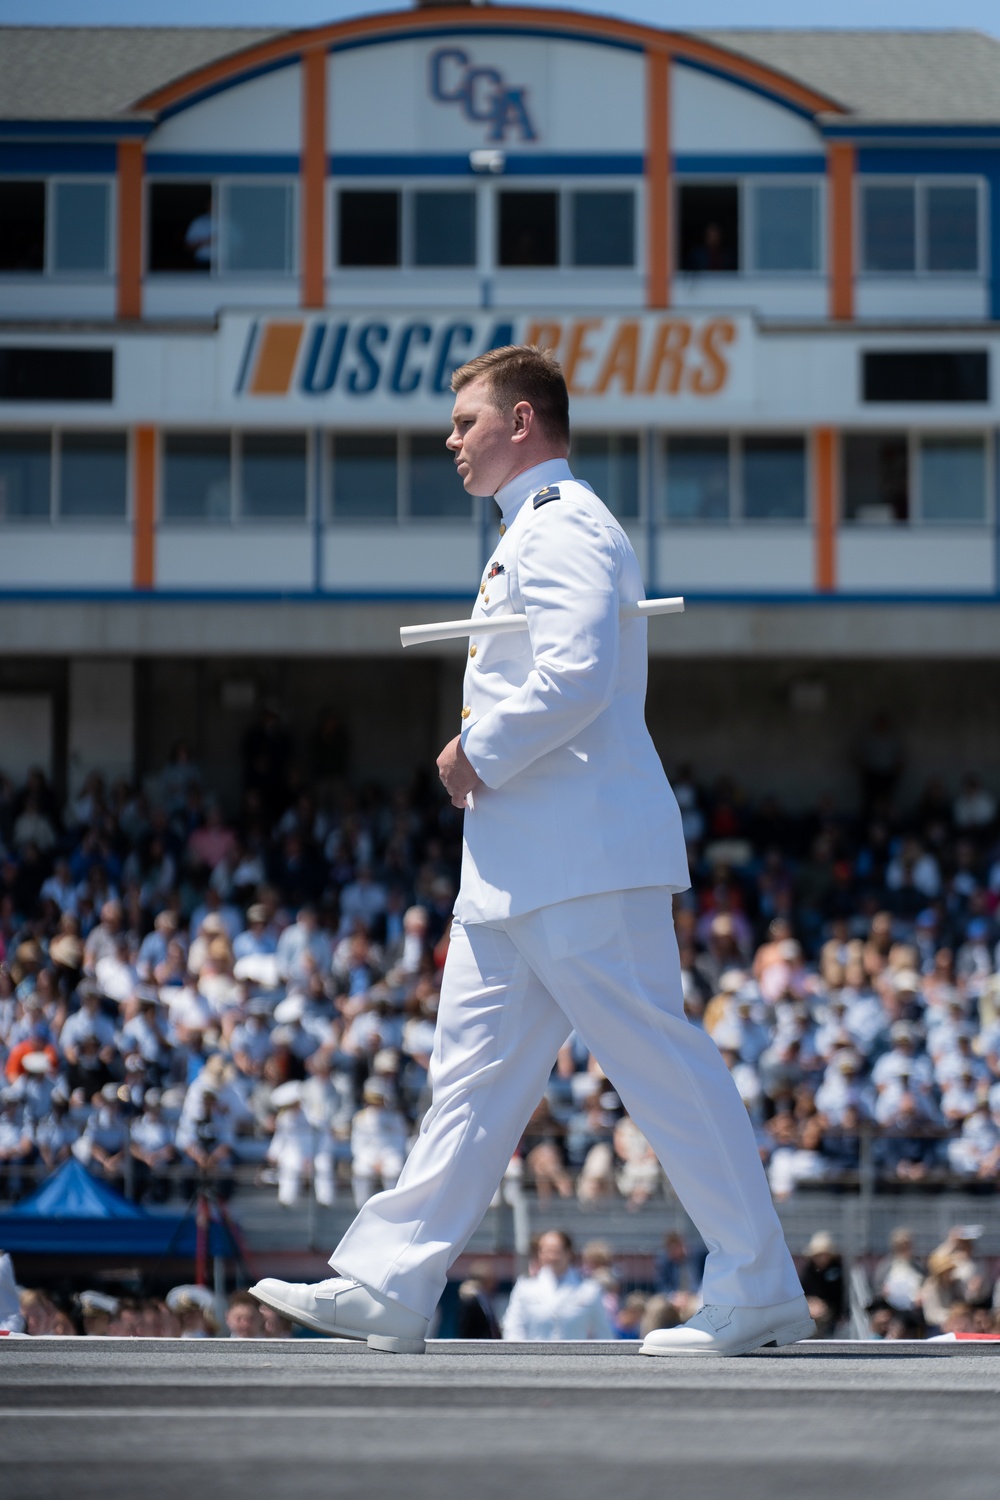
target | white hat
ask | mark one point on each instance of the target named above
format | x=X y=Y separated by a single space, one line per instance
x=259 y=968
x=35 y=1062
x=186 y=1298
x=98 y=1302
x=286 y=1094
x=290 y=1010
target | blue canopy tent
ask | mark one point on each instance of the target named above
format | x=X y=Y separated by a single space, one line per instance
x=72 y=1213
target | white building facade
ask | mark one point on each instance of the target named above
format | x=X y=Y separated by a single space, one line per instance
x=237 y=269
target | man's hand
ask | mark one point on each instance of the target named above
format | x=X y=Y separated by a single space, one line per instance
x=456 y=772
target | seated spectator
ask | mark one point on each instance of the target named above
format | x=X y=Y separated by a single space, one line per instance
x=822 y=1277
x=898 y=1278
x=557 y=1302
x=243 y=1319
x=378 y=1143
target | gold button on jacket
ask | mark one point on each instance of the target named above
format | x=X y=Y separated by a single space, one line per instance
x=472 y=650
x=466 y=712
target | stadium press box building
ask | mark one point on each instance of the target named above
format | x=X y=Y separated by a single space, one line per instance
x=238 y=267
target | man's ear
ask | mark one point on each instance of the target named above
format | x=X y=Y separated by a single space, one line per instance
x=524 y=416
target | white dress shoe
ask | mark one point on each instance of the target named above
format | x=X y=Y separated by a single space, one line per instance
x=734 y=1330
x=345 y=1309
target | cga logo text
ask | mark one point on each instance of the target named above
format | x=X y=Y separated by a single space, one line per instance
x=482 y=94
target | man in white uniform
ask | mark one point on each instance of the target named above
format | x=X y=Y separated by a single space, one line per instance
x=557 y=1303
x=573 y=848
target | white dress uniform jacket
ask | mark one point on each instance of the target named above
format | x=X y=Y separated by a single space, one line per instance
x=545 y=1307
x=575 y=800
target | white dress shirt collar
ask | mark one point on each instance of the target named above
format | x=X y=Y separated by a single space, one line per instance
x=512 y=495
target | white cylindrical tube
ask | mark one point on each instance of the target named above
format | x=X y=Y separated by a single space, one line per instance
x=453 y=630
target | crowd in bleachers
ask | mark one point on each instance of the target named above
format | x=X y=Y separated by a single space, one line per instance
x=190 y=991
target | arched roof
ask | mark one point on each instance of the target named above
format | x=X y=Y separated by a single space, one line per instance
x=684 y=47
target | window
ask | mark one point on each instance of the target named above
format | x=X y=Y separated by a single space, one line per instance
x=952 y=228
x=774 y=479
x=528 y=228
x=25 y=476
x=698 y=479
x=93 y=475
x=952 y=478
x=786 y=230
x=920 y=375
x=876 y=480
x=197 y=474
x=609 y=463
x=273 y=476
x=930 y=227
x=257 y=228
x=181 y=227
x=81 y=239
x=368 y=228
x=22 y=215
x=709 y=231
x=34 y=373
x=435 y=488
x=444 y=229
x=365 y=478
x=603 y=228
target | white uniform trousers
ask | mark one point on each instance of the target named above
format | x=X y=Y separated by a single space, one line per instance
x=606 y=966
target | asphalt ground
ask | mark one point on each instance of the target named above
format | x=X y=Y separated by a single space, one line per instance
x=150 y=1419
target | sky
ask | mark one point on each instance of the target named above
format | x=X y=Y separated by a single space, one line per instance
x=981 y=15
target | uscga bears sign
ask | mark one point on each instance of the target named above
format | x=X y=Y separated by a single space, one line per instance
x=385 y=366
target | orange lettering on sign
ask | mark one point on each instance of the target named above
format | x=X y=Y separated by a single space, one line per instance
x=545 y=336
x=709 y=378
x=577 y=352
x=666 y=362
x=621 y=362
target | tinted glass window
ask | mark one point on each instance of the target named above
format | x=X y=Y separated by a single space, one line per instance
x=257 y=227
x=528 y=229
x=926 y=375
x=81 y=239
x=709 y=229
x=196 y=477
x=698 y=479
x=365 y=478
x=603 y=229
x=30 y=373
x=181 y=226
x=609 y=463
x=369 y=229
x=876 y=482
x=274 y=475
x=786 y=227
x=774 y=479
x=952 y=228
x=444 y=229
x=435 y=488
x=93 y=474
x=25 y=476
x=22 y=226
x=952 y=479
x=889 y=228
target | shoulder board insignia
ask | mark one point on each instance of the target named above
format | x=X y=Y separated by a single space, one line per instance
x=550 y=492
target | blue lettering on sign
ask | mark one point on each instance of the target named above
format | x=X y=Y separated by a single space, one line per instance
x=404 y=382
x=366 y=358
x=316 y=382
x=364 y=378
x=483 y=95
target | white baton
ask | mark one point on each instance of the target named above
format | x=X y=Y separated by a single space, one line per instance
x=454 y=630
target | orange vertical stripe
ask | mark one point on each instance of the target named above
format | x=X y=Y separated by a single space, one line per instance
x=144 y=492
x=314 y=178
x=658 y=179
x=279 y=347
x=840 y=170
x=130 y=169
x=825 y=459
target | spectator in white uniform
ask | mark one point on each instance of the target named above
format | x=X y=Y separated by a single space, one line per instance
x=557 y=1302
x=299 y=1149
x=378 y=1142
